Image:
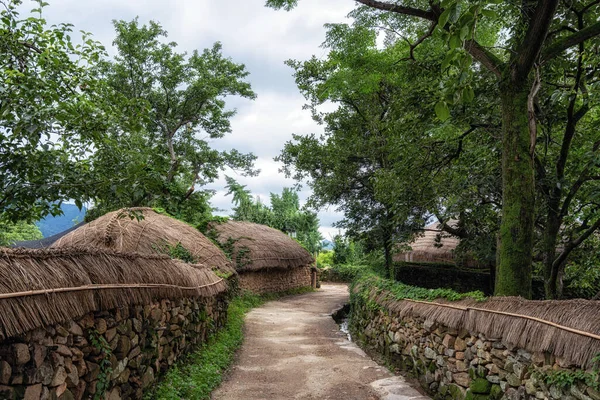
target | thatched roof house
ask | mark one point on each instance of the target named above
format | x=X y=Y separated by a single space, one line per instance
x=434 y=245
x=154 y=233
x=267 y=259
x=48 y=286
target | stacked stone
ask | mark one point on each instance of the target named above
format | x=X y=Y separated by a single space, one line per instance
x=459 y=365
x=116 y=353
x=275 y=280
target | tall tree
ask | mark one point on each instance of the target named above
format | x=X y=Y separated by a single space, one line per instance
x=531 y=34
x=175 y=104
x=51 y=114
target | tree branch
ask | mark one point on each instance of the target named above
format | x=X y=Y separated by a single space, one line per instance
x=562 y=44
x=537 y=29
x=485 y=57
x=415 y=12
x=574 y=243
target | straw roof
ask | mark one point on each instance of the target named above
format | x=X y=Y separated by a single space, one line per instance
x=150 y=235
x=255 y=247
x=534 y=325
x=48 y=286
x=434 y=245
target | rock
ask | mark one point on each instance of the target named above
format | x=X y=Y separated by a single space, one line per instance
x=460 y=345
x=430 y=353
x=21 y=353
x=530 y=387
x=5 y=372
x=114 y=394
x=137 y=325
x=61 y=331
x=93 y=371
x=63 y=350
x=123 y=346
x=67 y=395
x=75 y=329
x=44 y=374
x=6 y=392
x=33 y=392
x=123 y=377
x=87 y=321
x=459 y=355
x=462 y=379
x=60 y=376
x=578 y=394
x=513 y=380
x=72 y=375
x=555 y=392
x=495 y=379
x=461 y=366
x=594 y=394
x=101 y=326
x=430 y=325
x=39 y=354
x=110 y=334
x=147 y=378
x=119 y=368
x=448 y=341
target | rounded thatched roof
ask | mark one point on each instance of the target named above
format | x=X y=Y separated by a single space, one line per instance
x=433 y=246
x=154 y=234
x=46 y=286
x=254 y=247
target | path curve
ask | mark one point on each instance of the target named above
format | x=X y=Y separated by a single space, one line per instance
x=294 y=350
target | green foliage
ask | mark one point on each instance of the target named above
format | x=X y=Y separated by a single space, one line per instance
x=178 y=252
x=366 y=280
x=284 y=214
x=51 y=114
x=196 y=376
x=173 y=106
x=11 y=232
x=104 y=376
x=325 y=259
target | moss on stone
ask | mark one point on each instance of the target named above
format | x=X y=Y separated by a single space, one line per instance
x=480 y=386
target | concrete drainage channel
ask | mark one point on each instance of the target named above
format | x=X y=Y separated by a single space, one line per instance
x=392 y=388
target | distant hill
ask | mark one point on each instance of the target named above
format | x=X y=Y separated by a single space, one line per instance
x=327 y=245
x=71 y=216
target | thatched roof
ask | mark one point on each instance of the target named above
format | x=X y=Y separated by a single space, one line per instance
x=150 y=235
x=566 y=328
x=434 y=245
x=48 y=286
x=255 y=247
x=47 y=241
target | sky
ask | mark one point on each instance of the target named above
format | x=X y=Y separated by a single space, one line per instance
x=259 y=37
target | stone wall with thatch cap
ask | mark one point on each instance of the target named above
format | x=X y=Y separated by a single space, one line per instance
x=74 y=322
x=267 y=259
x=145 y=231
x=502 y=348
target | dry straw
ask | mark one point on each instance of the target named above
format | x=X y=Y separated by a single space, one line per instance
x=122 y=231
x=569 y=329
x=262 y=247
x=68 y=283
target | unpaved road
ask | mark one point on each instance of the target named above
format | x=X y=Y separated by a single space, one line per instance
x=294 y=350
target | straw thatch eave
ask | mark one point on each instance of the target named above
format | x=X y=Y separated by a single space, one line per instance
x=49 y=286
x=118 y=231
x=255 y=247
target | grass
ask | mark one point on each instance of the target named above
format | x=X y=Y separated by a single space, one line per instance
x=196 y=376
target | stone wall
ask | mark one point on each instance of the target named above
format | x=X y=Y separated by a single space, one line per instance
x=112 y=354
x=452 y=364
x=274 y=280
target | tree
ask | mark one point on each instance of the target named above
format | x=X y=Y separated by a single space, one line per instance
x=173 y=105
x=530 y=34
x=51 y=114
x=11 y=232
x=284 y=214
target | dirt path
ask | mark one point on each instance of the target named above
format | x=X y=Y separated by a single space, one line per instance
x=294 y=350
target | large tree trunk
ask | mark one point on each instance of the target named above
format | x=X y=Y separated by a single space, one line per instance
x=513 y=273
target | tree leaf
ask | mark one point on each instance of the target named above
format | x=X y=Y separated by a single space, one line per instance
x=442 y=111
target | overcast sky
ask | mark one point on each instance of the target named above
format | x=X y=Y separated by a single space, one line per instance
x=252 y=34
